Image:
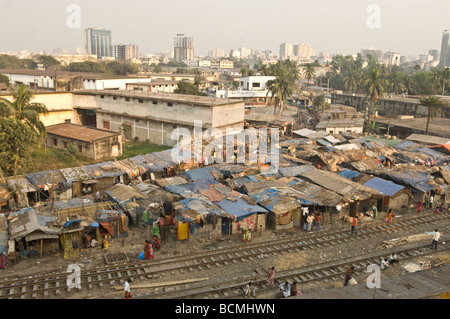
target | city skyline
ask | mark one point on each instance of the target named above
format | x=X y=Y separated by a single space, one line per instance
x=336 y=27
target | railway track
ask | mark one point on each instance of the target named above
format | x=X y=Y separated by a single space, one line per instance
x=324 y=271
x=56 y=283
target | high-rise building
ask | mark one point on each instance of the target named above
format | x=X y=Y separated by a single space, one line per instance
x=435 y=54
x=445 y=49
x=98 y=42
x=286 y=50
x=183 y=48
x=377 y=54
x=126 y=51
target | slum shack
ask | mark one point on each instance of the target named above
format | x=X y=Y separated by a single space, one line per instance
x=204 y=215
x=51 y=185
x=23 y=192
x=113 y=223
x=38 y=233
x=71 y=238
x=106 y=174
x=82 y=182
x=394 y=196
x=359 y=197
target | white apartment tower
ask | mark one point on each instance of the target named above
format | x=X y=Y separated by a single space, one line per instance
x=183 y=48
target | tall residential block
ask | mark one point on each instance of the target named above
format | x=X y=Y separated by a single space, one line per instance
x=126 y=51
x=183 y=48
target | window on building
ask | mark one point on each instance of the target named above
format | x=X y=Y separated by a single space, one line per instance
x=169 y=104
x=65 y=144
x=127 y=99
x=256 y=85
x=55 y=141
x=80 y=148
x=141 y=101
x=114 y=97
x=107 y=125
x=102 y=96
x=154 y=102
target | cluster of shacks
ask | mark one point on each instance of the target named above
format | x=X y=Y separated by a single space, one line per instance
x=334 y=175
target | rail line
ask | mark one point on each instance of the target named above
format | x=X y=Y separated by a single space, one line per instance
x=43 y=285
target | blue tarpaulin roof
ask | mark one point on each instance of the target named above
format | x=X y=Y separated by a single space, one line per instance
x=202 y=173
x=348 y=173
x=240 y=208
x=417 y=180
x=386 y=187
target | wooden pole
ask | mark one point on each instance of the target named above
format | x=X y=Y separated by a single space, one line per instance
x=41 y=248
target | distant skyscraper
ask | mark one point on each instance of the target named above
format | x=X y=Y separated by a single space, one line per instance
x=286 y=50
x=435 y=54
x=126 y=51
x=377 y=54
x=98 y=42
x=445 y=49
x=183 y=48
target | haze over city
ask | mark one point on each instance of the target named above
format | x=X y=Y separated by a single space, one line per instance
x=338 y=27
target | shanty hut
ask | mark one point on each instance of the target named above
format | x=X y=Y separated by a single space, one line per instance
x=359 y=197
x=82 y=182
x=24 y=193
x=106 y=174
x=36 y=231
x=395 y=196
x=50 y=181
x=282 y=208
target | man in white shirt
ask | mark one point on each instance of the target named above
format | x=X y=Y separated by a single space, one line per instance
x=127 y=290
x=436 y=237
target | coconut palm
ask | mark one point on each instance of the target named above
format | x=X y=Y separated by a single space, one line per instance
x=396 y=82
x=22 y=109
x=280 y=89
x=351 y=79
x=374 y=85
x=434 y=105
x=310 y=71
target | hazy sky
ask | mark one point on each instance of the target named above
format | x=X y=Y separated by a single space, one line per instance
x=410 y=27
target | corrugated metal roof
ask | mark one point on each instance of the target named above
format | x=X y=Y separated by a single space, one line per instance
x=386 y=187
x=78 y=132
x=105 y=169
x=203 y=173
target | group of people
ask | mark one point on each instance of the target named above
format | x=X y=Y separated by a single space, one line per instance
x=429 y=203
x=312 y=219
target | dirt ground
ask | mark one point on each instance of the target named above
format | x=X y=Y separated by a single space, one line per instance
x=132 y=245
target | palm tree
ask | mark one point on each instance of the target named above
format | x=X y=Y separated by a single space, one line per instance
x=22 y=109
x=280 y=89
x=351 y=79
x=445 y=74
x=320 y=104
x=374 y=86
x=310 y=71
x=434 y=105
x=396 y=82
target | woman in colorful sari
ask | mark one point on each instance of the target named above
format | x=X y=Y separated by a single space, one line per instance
x=271 y=276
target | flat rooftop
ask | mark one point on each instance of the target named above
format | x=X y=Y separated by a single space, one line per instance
x=79 y=132
x=439 y=126
x=166 y=97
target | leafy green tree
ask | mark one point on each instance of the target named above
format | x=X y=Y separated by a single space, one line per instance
x=48 y=61
x=189 y=88
x=23 y=110
x=157 y=69
x=434 y=105
x=320 y=105
x=17 y=141
x=4 y=79
x=396 y=82
x=445 y=78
